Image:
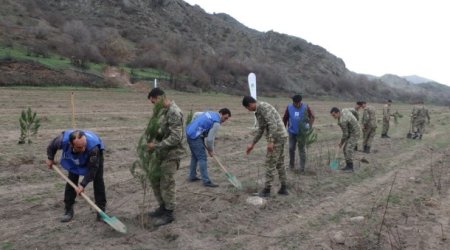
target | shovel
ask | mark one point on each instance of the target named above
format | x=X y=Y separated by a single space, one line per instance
x=112 y=221
x=231 y=178
x=334 y=163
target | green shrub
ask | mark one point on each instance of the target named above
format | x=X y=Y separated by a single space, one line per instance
x=29 y=126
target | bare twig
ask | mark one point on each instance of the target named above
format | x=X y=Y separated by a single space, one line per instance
x=442 y=233
x=385 y=208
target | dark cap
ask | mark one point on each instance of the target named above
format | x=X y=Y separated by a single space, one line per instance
x=297 y=98
x=155 y=92
x=359 y=103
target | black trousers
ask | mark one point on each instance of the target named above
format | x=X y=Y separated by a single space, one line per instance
x=99 y=188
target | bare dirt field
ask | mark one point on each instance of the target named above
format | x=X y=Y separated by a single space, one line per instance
x=402 y=193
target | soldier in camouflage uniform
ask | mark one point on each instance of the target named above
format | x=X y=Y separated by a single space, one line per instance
x=418 y=116
x=369 y=124
x=386 y=117
x=351 y=131
x=269 y=122
x=171 y=150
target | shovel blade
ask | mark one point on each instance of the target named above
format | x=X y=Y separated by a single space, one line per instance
x=113 y=222
x=233 y=180
x=334 y=164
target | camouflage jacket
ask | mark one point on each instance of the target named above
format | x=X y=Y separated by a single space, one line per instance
x=349 y=125
x=171 y=132
x=369 y=119
x=420 y=114
x=354 y=112
x=269 y=121
x=386 y=112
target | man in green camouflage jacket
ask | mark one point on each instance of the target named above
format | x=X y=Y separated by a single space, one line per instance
x=419 y=116
x=369 y=124
x=386 y=117
x=171 y=150
x=351 y=131
x=270 y=122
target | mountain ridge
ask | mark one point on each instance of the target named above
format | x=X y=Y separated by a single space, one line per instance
x=206 y=51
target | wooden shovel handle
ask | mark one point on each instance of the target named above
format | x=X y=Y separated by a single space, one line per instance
x=56 y=168
x=220 y=164
x=217 y=160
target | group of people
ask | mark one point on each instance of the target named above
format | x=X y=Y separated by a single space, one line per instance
x=348 y=120
x=82 y=150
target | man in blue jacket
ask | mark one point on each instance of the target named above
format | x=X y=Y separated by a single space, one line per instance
x=203 y=125
x=297 y=117
x=82 y=154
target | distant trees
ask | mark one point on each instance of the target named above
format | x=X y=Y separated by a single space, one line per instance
x=83 y=44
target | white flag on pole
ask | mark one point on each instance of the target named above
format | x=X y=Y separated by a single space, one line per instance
x=252 y=87
x=252 y=84
x=155 y=83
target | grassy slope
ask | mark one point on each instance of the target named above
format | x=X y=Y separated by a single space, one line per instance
x=55 y=61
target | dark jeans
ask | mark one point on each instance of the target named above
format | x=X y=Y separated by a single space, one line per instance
x=293 y=144
x=99 y=188
x=198 y=156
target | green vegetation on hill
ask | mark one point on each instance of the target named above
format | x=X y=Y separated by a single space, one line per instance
x=58 y=62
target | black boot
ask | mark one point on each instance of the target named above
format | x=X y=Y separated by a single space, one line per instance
x=385 y=136
x=348 y=168
x=68 y=214
x=164 y=219
x=265 y=192
x=356 y=147
x=283 y=190
x=157 y=212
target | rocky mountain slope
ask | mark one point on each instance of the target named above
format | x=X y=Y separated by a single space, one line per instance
x=199 y=51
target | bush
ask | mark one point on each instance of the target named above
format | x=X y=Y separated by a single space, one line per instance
x=112 y=46
x=79 y=33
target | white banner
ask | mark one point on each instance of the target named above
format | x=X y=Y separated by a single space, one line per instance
x=252 y=84
x=155 y=83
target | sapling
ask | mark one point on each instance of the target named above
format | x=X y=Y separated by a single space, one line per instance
x=306 y=135
x=146 y=167
x=29 y=126
x=189 y=116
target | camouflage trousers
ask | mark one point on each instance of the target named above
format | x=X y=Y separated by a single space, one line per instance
x=275 y=160
x=385 y=127
x=419 y=127
x=164 y=186
x=349 y=148
x=368 y=135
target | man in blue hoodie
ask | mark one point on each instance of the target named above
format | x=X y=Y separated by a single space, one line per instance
x=82 y=154
x=203 y=125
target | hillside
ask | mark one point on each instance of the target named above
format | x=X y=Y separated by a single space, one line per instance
x=197 y=51
x=416 y=79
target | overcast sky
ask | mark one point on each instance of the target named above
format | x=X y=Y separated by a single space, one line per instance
x=401 y=37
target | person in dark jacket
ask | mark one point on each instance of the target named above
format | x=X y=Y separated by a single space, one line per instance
x=82 y=154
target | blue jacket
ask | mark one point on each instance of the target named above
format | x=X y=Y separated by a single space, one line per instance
x=202 y=124
x=297 y=118
x=76 y=163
